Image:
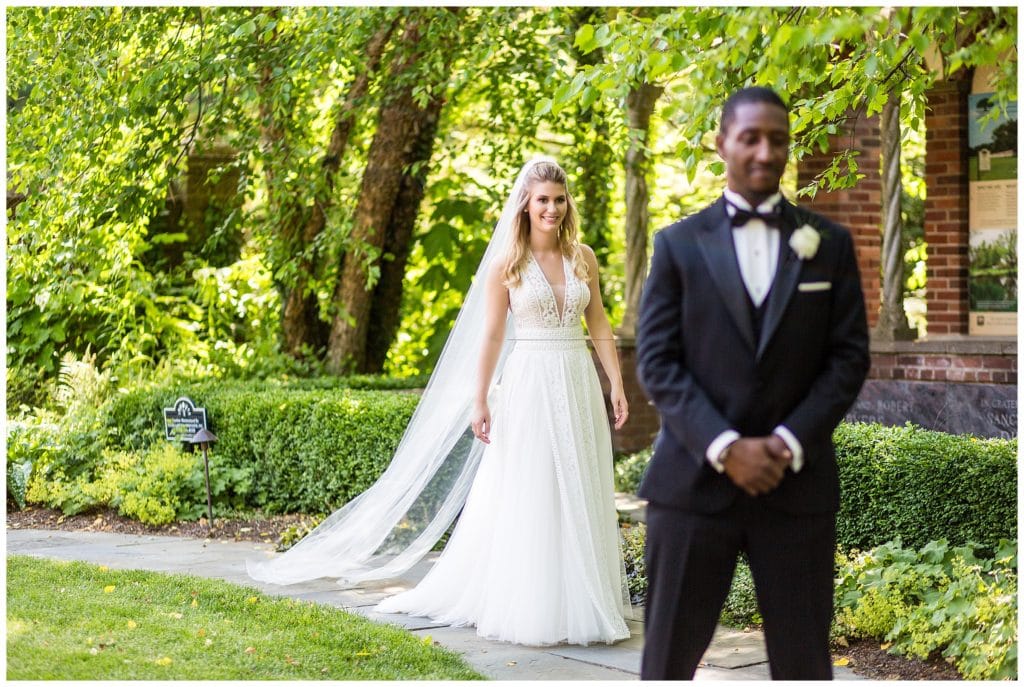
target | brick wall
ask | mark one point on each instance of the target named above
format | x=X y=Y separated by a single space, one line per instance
x=642 y=425
x=946 y=207
x=201 y=191
x=964 y=360
x=956 y=360
x=858 y=208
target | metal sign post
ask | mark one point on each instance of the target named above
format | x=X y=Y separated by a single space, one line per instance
x=204 y=438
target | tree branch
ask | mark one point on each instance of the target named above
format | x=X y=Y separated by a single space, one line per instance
x=199 y=98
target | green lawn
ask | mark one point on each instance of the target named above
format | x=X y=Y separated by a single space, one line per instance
x=74 y=621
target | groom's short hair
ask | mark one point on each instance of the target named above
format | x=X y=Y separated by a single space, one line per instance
x=750 y=94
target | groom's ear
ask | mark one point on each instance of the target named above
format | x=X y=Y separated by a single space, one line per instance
x=719 y=139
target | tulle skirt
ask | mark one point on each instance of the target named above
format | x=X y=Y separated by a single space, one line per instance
x=535 y=557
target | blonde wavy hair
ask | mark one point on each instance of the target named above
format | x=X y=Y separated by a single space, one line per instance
x=568 y=236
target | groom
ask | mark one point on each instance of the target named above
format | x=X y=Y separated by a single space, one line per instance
x=752 y=342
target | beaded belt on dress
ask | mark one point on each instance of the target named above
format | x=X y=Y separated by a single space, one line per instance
x=550 y=338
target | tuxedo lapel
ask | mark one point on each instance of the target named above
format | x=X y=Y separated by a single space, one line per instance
x=787 y=274
x=716 y=245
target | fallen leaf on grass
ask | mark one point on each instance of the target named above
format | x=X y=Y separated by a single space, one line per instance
x=109 y=589
x=175 y=615
x=252 y=600
x=209 y=642
x=428 y=640
x=250 y=650
x=94 y=651
x=165 y=661
x=195 y=603
x=364 y=653
x=104 y=568
x=290 y=661
x=885 y=647
x=132 y=625
x=201 y=632
x=841 y=662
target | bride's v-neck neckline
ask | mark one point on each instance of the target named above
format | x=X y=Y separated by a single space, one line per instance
x=560 y=312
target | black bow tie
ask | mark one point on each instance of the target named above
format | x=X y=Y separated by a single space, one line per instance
x=772 y=218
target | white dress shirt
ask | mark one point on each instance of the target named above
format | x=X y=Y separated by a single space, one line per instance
x=757 y=251
x=757 y=247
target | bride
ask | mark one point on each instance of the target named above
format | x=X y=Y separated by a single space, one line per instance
x=535 y=556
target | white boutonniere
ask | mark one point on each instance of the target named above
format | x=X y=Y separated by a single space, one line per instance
x=805 y=242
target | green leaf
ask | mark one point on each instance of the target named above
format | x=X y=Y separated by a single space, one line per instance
x=585 y=38
x=657 y=64
x=438 y=241
x=245 y=29
x=919 y=41
x=577 y=84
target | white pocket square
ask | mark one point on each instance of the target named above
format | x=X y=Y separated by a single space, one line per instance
x=814 y=286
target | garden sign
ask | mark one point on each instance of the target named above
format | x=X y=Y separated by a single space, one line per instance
x=183 y=420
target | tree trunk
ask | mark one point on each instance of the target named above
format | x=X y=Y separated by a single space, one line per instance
x=400 y=126
x=892 y=321
x=386 y=311
x=301 y=324
x=274 y=137
x=639 y=107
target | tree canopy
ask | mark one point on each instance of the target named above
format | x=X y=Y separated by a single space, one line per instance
x=356 y=158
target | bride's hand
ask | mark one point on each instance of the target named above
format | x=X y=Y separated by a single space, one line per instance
x=620 y=407
x=481 y=422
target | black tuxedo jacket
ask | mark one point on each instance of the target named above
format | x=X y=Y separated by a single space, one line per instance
x=699 y=362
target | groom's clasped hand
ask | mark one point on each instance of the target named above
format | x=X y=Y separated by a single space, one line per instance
x=757 y=464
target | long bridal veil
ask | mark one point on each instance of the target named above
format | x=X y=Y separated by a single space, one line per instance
x=393 y=524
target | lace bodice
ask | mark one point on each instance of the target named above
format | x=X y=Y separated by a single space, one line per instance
x=533 y=301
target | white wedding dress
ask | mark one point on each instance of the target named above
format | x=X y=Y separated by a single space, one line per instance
x=535 y=557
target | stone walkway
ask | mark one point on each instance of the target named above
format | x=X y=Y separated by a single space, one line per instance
x=733 y=655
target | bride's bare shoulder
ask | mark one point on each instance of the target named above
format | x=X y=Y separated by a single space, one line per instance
x=496 y=273
x=588 y=253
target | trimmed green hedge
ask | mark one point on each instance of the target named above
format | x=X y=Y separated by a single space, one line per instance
x=135 y=418
x=308 y=446
x=303 y=449
x=919 y=486
x=909 y=483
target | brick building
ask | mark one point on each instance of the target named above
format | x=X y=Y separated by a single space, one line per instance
x=947 y=380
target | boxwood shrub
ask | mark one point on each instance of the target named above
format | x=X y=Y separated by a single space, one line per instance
x=909 y=483
x=304 y=448
x=135 y=417
x=919 y=486
x=307 y=446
